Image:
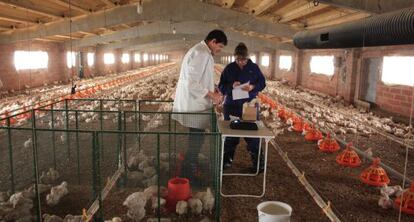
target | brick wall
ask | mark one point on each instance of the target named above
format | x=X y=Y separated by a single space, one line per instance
x=393 y=98
x=289 y=75
x=16 y=80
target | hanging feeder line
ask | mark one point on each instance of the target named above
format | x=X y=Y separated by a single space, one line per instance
x=103 y=86
x=388 y=168
x=386 y=135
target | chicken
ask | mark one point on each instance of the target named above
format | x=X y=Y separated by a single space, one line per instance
x=195 y=205
x=144 y=164
x=149 y=172
x=28 y=143
x=71 y=218
x=51 y=218
x=207 y=198
x=18 y=199
x=181 y=208
x=152 y=191
x=390 y=190
x=154 y=203
x=136 y=206
x=385 y=202
x=56 y=193
x=50 y=177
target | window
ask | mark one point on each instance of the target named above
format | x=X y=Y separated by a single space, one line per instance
x=157 y=57
x=145 y=57
x=125 y=58
x=398 y=70
x=285 y=62
x=91 y=58
x=30 y=60
x=109 y=58
x=71 y=59
x=322 y=65
x=137 y=57
x=253 y=58
x=265 y=61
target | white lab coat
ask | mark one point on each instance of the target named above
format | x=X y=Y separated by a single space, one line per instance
x=196 y=80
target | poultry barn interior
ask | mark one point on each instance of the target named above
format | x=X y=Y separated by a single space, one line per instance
x=88 y=129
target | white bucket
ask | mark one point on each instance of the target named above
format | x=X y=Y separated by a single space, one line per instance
x=274 y=211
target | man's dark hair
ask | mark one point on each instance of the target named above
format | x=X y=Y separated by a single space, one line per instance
x=218 y=35
x=241 y=50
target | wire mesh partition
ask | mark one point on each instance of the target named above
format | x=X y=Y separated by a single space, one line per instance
x=106 y=155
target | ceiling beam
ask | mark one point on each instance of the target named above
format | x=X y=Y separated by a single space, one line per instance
x=302 y=11
x=181 y=28
x=228 y=3
x=371 y=6
x=108 y=3
x=17 y=20
x=156 y=10
x=26 y=9
x=66 y=4
x=147 y=40
x=263 y=6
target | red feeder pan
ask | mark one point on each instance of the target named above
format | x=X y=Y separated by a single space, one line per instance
x=281 y=113
x=375 y=175
x=328 y=144
x=297 y=124
x=348 y=157
x=178 y=189
x=406 y=201
x=313 y=134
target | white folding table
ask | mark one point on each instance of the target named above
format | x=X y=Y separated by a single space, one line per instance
x=262 y=133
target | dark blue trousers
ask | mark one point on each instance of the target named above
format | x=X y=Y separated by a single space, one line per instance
x=231 y=143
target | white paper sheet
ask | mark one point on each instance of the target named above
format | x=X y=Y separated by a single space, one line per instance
x=238 y=93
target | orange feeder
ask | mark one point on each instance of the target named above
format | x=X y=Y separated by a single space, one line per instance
x=348 y=157
x=328 y=144
x=375 y=175
x=281 y=113
x=297 y=124
x=313 y=134
x=406 y=201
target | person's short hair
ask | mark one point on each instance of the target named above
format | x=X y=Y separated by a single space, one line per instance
x=218 y=35
x=241 y=50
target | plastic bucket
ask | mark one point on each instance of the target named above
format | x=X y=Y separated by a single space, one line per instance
x=274 y=211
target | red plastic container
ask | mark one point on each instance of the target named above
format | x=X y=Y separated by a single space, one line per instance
x=348 y=157
x=406 y=200
x=375 y=175
x=178 y=189
x=328 y=144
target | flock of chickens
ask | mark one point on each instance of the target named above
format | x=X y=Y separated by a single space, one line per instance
x=141 y=167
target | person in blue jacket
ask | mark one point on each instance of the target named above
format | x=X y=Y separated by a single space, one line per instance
x=242 y=70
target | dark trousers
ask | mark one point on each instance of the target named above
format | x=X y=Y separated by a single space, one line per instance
x=195 y=142
x=231 y=143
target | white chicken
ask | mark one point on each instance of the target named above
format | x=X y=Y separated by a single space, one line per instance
x=28 y=143
x=50 y=177
x=207 y=198
x=136 y=206
x=72 y=218
x=181 y=208
x=56 y=193
x=154 y=203
x=390 y=190
x=385 y=202
x=195 y=205
x=51 y=218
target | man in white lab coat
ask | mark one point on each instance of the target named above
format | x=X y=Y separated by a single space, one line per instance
x=196 y=93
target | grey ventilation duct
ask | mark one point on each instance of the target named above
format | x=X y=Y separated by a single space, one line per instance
x=394 y=28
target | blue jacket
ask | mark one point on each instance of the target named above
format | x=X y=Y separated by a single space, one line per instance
x=233 y=73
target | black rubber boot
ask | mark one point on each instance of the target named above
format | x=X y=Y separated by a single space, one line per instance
x=255 y=158
x=227 y=161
